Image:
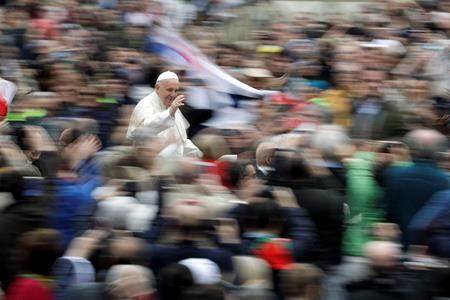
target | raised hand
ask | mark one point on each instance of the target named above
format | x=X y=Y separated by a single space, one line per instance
x=82 y=148
x=83 y=246
x=178 y=102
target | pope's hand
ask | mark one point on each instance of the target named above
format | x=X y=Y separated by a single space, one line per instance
x=179 y=101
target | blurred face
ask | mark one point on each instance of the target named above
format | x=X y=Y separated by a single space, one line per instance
x=308 y=115
x=167 y=91
x=345 y=78
x=149 y=151
x=417 y=90
x=373 y=80
x=189 y=214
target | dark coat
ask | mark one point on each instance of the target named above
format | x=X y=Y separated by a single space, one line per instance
x=87 y=291
x=326 y=210
x=408 y=189
x=16 y=219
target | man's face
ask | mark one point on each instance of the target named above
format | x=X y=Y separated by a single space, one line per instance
x=373 y=80
x=167 y=90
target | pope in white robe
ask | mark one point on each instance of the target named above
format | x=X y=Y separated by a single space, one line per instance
x=159 y=114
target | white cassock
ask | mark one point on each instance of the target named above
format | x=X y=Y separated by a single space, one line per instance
x=151 y=114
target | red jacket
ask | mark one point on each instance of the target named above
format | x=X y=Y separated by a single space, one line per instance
x=29 y=289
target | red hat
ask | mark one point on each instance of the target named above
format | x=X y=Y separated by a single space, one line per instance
x=3 y=107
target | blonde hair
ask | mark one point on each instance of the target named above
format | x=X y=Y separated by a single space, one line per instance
x=298 y=278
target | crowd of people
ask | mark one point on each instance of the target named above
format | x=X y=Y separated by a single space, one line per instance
x=333 y=184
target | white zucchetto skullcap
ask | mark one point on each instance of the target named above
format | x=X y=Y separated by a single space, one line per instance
x=167 y=75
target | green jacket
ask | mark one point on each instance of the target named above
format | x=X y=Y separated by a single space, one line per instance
x=363 y=194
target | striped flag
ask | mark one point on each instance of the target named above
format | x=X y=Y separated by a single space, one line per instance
x=176 y=51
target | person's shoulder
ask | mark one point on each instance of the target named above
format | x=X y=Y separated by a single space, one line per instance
x=442 y=196
x=91 y=290
x=24 y=282
x=144 y=106
x=147 y=100
x=26 y=287
x=69 y=189
x=396 y=169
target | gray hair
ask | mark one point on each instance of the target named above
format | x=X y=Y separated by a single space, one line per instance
x=328 y=139
x=114 y=211
x=125 y=281
x=425 y=143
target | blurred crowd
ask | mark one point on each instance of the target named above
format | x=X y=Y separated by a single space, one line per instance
x=335 y=184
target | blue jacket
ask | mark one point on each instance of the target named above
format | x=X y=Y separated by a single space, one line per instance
x=73 y=207
x=408 y=189
x=431 y=225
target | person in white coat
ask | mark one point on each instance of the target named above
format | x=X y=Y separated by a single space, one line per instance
x=159 y=114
